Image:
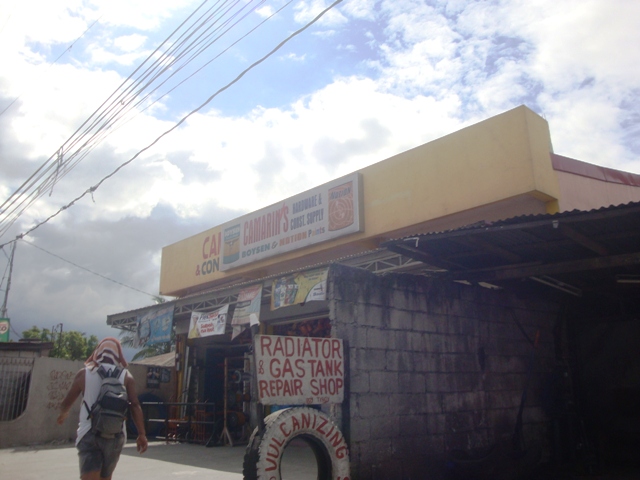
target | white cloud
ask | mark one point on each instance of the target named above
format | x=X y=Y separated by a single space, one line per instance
x=266 y=11
x=296 y=58
x=130 y=43
x=307 y=10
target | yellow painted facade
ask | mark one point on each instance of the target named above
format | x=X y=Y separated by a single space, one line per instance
x=494 y=169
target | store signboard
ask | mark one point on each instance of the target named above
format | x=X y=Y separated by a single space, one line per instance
x=326 y=212
x=299 y=370
x=4 y=329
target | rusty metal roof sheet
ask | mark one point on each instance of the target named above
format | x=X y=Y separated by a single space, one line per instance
x=593 y=249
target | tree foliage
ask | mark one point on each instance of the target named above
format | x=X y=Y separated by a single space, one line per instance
x=71 y=345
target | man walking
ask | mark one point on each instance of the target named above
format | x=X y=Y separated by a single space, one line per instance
x=99 y=454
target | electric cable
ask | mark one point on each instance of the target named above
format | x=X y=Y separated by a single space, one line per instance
x=226 y=49
x=133 y=106
x=70 y=143
x=101 y=124
x=45 y=166
x=182 y=120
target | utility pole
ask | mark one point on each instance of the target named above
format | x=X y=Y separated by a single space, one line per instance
x=57 y=329
x=3 y=312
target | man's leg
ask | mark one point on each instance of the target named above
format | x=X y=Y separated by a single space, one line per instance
x=111 y=449
x=90 y=456
x=91 y=476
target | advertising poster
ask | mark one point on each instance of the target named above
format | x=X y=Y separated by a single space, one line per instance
x=153 y=377
x=210 y=323
x=4 y=329
x=323 y=213
x=247 y=310
x=299 y=288
x=248 y=306
x=299 y=370
x=155 y=326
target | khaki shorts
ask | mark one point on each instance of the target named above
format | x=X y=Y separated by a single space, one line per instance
x=99 y=454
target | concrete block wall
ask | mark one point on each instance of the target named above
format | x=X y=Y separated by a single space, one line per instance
x=433 y=368
x=49 y=383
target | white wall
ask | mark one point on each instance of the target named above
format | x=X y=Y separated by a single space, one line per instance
x=50 y=381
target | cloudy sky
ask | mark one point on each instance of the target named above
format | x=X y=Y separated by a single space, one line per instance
x=371 y=78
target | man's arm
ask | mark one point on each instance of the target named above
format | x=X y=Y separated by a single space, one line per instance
x=136 y=412
x=76 y=389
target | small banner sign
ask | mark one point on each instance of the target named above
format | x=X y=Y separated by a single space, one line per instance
x=299 y=288
x=299 y=370
x=210 y=323
x=247 y=310
x=248 y=306
x=155 y=326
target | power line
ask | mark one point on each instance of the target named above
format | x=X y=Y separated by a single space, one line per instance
x=155 y=297
x=181 y=121
x=191 y=34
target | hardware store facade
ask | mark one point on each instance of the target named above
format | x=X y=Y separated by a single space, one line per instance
x=434 y=366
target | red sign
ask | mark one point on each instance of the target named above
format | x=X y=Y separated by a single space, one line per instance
x=299 y=370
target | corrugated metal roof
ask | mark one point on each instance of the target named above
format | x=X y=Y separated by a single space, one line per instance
x=585 y=249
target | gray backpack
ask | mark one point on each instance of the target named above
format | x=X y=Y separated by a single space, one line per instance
x=109 y=411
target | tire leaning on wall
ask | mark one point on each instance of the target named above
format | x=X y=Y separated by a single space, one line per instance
x=264 y=453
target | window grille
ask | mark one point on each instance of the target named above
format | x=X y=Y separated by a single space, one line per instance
x=15 y=377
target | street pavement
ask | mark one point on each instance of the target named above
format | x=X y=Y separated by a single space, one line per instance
x=162 y=461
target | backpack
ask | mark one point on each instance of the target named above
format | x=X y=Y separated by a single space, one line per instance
x=109 y=411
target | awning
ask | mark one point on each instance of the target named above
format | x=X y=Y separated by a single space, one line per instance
x=575 y=251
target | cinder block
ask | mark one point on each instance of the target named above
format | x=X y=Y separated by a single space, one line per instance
x=452 y=382
x=385 y=426
x=413 y=425
x=368 y=359
x=440 y=343
x=463 y=401
x=355 y=336
x=359 y=382
x=408 y=403
x=502 y=400
x=383 y=382
x=411 y=383
x=436 y=423
x=378 y=338
x=434 y=363
x=400 y=319
x=373 y=404
x=401 y=339
x=417 y=341
x=373 y=316
x=433 y=445
x=458 y=422
x=360 y=429
x=410 y=362
x=377 y=450
x=510 y=364
x=461 y=362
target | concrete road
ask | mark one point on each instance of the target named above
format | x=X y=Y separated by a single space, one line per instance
x=161 y=462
